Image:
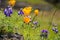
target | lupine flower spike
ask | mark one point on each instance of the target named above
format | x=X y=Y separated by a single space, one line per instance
x=44 y=33
x=35 y=22
x=8 y=11
x=20 y=12
x=55 y=29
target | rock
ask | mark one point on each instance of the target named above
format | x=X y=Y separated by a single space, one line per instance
x=4 y=36
x=1 y=39
x=15 y=36
x=19 y=37
x=10 y=35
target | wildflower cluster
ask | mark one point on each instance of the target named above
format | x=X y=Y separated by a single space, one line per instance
x=25 y=12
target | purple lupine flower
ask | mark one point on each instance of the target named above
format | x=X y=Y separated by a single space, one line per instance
x=53 y=29
x=44 y=31
x=35 y=22
x=7 y=7
x=20 y=12
x=5 y=11
x=8 y=11
x=56 y=31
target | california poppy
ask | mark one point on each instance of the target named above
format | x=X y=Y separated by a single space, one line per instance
x=12 y=2
x=27 y=11
x=26 y=19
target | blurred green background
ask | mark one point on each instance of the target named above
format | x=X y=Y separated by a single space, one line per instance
x=41 y=4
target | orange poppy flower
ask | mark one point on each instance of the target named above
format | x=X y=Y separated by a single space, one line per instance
x=29 y=8
x=26 y=19
x=36 y=12
x=12 y=2
x=27 y=11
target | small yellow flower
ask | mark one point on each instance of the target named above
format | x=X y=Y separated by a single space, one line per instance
x=26 y=19
x=36 y=12
x=12 y=2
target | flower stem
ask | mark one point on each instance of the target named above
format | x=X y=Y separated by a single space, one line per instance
x=52 y=17
x=34 y=18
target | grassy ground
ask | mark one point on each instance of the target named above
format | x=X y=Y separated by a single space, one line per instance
x=27 y=31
